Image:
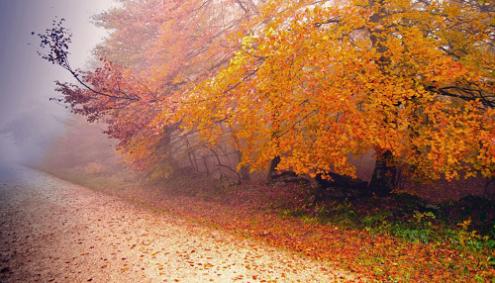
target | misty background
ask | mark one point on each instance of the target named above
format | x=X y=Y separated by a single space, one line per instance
x=29 y=122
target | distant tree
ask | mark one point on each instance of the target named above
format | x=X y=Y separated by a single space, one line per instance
x=155 y=51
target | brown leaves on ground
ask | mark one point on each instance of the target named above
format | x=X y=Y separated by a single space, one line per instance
x=248 y=211
x=55 y=231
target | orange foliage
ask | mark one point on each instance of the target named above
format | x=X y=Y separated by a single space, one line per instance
x=321 y=81
x=311 y=82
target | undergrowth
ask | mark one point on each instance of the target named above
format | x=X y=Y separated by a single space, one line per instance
x=408 y=225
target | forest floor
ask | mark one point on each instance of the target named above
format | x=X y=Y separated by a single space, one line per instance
x=52 y=230
x=360 y=237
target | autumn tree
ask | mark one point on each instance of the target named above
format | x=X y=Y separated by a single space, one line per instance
x=308 y=84
x=412 y=81
x=156 y=50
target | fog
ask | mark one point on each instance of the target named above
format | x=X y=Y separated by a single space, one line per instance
x=29 y=122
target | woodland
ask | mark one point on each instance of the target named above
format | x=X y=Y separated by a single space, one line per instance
x=363 y=129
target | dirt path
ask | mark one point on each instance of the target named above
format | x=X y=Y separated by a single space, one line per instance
x=55 y=231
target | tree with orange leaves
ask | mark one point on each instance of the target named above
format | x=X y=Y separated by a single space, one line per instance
x=308 y=83
x=412 y=81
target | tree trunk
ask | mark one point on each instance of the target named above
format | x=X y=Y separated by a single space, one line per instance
x=384 y=175
x=273 y=166
x=244 y=170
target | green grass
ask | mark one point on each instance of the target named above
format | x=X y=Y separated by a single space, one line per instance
x=418 y=227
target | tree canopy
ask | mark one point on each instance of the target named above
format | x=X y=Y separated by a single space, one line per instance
x=312 y=83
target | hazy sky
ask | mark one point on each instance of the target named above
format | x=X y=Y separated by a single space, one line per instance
x=27 y=119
